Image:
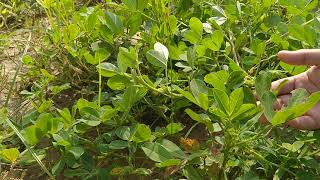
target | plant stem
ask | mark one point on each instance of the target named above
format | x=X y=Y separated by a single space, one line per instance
x=314 y=153
x=271 y=163
x=170 y=95
x=233 y=49
x=100 y=85
x=189 y=131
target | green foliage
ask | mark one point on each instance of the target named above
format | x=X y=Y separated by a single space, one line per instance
x=163 y=88
x=10 y=155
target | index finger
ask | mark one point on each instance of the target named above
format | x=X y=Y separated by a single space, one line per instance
x=301 y=57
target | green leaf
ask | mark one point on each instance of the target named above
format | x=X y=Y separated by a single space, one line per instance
x=135 y=4
x=76 y=173
x=118 y=144
x=249 y=176
x=157 y=58
x=107 y=113
x=215 y=41
x=168 y=163
x=76 y=151
x=44 y=122
x=201 y=118
x=62 y=139
x=174 y=128
x=267 y=101
x=89 y=112
x=222 y=100
x=236 y=100
x=156 y=152
x=293 y=147
x=101 y=55
x=245 y=112
x=218 y=79
x=191 y=173
x=108 y=69
x=293 y=70
x=298 y=96
x=272 y=20
x=186 y=94
x=131 y=96
x=196 y=25
x=118 y=82
x=91 y=121
x=114 y=23
x=163 y=50
x=293 y=112
x=200 y=92
x=251 y=122
x=10 y=155
x=44 y=106
x=219 y=11
x=311 y=35
x=236 y=79
x=303 y=33
x=57 y=89
x=58 y=167
x=32 y=134
x=66 y=116
x=83 y=103
x=218 y=113
x=124 y=132
x=203 y=101
x=192 y=36
x=91 y=22
x=195 y=34
x=89 y=58
x=127 y=59
x=263 y=83
x=171 y=147
x=198 y=87
x=218 y=20
x=141 y=133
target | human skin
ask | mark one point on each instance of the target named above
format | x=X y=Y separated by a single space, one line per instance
x=309 y=80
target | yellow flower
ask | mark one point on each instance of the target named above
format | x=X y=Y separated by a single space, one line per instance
x=190 y=144
x=116 y=171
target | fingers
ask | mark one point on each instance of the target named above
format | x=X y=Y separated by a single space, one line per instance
x=313 y=75
x=308 y=80
x=305 y=123
x=301 y=57
x=282 y=101
x=287 y=88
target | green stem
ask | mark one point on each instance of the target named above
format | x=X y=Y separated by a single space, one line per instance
x=259 y=156
x=100 y=85
x=189 y=131
x=233 y=49
x=140 y=79
x=314 y=153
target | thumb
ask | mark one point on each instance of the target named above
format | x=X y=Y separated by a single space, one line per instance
x=300 y=57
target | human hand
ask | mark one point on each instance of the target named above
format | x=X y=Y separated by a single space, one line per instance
x=309 y=80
